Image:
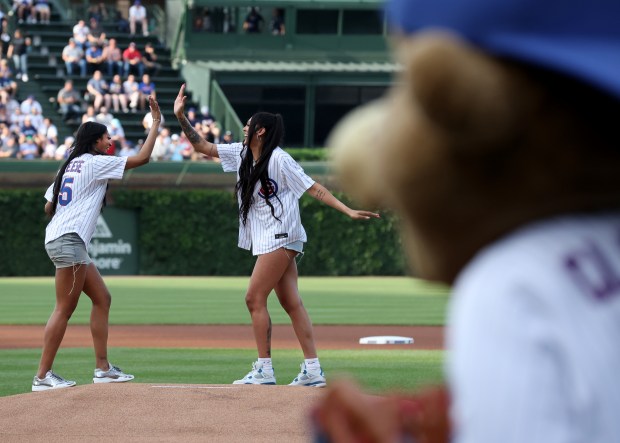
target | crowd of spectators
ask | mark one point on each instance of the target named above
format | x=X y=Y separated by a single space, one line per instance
x=118 y=81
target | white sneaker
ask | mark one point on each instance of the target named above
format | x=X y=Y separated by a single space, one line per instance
x=25 y=78
x=306 y=378
x=257 y=377
x=112 y=375
x=50 y=381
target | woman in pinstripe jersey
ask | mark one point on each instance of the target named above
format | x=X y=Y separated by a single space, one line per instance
x=269 y=185
x=74 y=202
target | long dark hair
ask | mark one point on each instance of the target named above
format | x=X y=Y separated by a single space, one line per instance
x=87 y=135
x=250 y=173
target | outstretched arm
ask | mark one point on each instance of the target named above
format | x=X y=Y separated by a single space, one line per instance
x=321 y=193
x=199 y=143
x=143 y=157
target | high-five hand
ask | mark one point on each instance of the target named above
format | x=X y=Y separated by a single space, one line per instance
x=179 y=102
x=155 y=111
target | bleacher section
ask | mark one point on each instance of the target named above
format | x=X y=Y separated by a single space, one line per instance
x=48 y=74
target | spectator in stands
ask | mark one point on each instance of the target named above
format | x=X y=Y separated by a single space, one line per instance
x=62 y=151
x=73 y=56
x=228 y=138
x=28 y=149
x=48 y=131
x=90 y=115
x=132 y=59
x=128 y=150
x=205 y=114
x=18 y=49
x=16 y=120
x=5 y=37
x=253 y=21
x=70 y=102
x=27 y=128
x=147 y=122
x=149 y=60
x=5 y=69
x=29 y=104
x=42 y=8
x=122 y=25
x=146 y=88
x=81 y=33
x=197 y=23
x=117 y=133
x=104 y=117
x=23 y=10
x=137 y=14
x=97 y=90
x=176 y=148
x=10 y=146
x=98 y=12
x=96 y=35
x=49 y=151
x=277 y=22
x=192 y=117
x=215 y=131
x=130 y=87
x=4 y=118
x=119 y=99
x=161 y=150
x=12 y=105
x=94 y=58
x=113 y=58
x=36 y=118
x=8 y=86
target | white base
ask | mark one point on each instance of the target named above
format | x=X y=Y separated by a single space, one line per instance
x=386 y=340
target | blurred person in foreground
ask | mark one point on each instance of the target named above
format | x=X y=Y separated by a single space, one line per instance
x=502 y=158
x=74 y=202
x=269 y=186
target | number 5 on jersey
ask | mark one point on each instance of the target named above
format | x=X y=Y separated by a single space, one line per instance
x=66 y=193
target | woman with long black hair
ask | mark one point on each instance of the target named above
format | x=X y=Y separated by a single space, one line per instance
x=74 y=202
x=269 y=185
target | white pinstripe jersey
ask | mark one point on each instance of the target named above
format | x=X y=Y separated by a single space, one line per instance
x=81 y=195
x=263 y=233
x=534 y=336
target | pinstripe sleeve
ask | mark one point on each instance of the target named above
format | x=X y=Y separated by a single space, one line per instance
x=49 y=194
x=296 y=179
x=108 y=167
x=230 y=156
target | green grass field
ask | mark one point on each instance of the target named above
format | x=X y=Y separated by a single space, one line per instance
x=220 y=300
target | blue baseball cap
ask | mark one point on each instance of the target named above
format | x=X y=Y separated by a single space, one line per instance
x=577 y=38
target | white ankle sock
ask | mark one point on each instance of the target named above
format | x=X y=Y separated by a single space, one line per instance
x=267 y=366
x=312 y=364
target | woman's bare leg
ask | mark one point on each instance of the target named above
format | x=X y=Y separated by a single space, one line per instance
x=97 y=291
x=288 y=295
x=267 y=272
x=69 y=284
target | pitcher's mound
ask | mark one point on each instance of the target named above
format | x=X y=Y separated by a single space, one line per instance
x=133 y=412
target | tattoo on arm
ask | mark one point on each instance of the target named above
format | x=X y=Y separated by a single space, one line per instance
x=189 y=131
x=320 y=194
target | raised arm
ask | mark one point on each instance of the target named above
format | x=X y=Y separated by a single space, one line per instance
x=199 y=143
x=143 y=157
x=321 y=193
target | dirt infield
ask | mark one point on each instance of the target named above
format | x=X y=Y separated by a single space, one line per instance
x=222 y=336
x=134 y=412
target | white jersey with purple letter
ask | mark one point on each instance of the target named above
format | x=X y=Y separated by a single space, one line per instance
x=262 y=232
x=82 y=190
x=534 y=336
